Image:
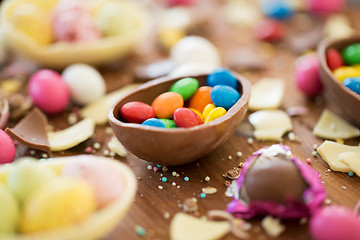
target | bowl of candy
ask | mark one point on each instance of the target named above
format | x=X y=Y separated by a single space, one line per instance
x=77 y=197
x=176 y=120
x=57 y=33
x=340 y=73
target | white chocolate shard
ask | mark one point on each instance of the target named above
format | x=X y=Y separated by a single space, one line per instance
x=331 y=126
x=272 y=226
x=99 y=109
x=267 y=94
x=330 y=152
x=186 y=227
x=352 y=159
x=338 y=26
x=71 y=136
x=270 y=124
x=115 y=146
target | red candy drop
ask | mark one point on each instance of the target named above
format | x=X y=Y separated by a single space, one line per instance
x=334 y=59
x=137 y=112
x=269 y=30
x=186 y=118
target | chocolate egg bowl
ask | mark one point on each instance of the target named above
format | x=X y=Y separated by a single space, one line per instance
x=175 y=146
x=339 y=97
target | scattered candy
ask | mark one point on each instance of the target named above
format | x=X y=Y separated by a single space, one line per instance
x=351 y=174
x=48 y=91
x=224 y=96
x=85 y=83
x=154 y=122
x=7 y=148
x=164 y=179
x=307 y=75
x=166 y=103
x=186 y=179
x=202 y=195
x=136 y=112
x=140 y=231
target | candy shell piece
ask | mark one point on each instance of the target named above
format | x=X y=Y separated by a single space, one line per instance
x=154 y=122
x=201 y=98
x=7 y=148
x=353 y=84
x=85 y=83
x=166 y=103
x=137 y=112
x=335 y=222
x=269 y=30
x=351 y=54
x=48 y=91
x=169 y=123
x=194 y=49
x=186 y=87
x=222 y=76
x=51 y=199
x=334 y=59
x=100 y=175
x=344 y=72
x=224 y=96
x=186 y=118
x=10 y=213
x=214 y=114
x=307 y=75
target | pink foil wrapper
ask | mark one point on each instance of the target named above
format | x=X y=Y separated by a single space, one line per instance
x=312 y=197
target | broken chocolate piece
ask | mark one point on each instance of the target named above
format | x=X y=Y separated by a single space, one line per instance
x=233 y=173
x=31 y=131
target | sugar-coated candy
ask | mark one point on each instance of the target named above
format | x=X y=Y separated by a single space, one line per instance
x=186 y=118
x=154 y=122
x=201 y=98
x=207 y=109
x=85 y=83
x=274 y=181
x=269 y=30
x=48 y=91
x=334 y=59
x=198 y=113
x=215 y=113
x=353 y=84
x=224 y=96
x=278 y=9
x=169 y=123
x=222 y=76
x=344 y=72
x=137 y=112
x=166 y=103
x=351 y=54
x=186 y=87
x=325 y=6
x=7 y=148
x=307 y=75
x=10 y=211
x=335 y=222
x=194 y=49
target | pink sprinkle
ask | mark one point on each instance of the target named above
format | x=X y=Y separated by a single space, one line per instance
x=155 y=169
x=88 y=150
x=308 y=160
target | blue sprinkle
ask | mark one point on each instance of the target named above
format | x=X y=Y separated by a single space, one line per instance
x=140 y=231
x=159 y=166
x=164 y=179
x=202 y=195
x=351 y=174
x=186 y=179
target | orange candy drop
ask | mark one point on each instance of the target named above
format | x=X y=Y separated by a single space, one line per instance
x=201 y=98
x=165 y=104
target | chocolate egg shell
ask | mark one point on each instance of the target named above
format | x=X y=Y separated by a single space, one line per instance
x=177 y=145
x=275 y=182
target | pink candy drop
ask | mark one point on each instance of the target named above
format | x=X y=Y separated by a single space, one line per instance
x=325 y=6
x=7 y=148
x=334 y=223
x=48 y=91
x=307 y=75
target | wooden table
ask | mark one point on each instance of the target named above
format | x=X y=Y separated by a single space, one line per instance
x=153 y=208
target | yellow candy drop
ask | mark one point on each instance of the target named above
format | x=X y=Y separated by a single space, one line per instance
x=33 y=21
x=342 y=73
x=198 y=113
x=207 y=109
x=58 y=203
x=214 y=114
x=168 y=37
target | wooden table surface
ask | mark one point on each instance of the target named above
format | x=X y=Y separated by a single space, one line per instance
x=153 y=208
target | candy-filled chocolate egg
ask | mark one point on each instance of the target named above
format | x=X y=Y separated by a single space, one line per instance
x=275 y=182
